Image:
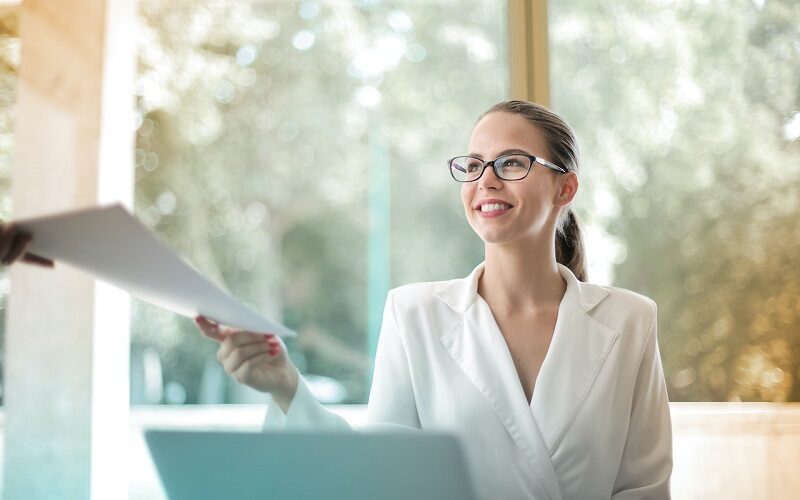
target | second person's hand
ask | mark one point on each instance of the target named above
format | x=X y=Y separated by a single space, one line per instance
x=254 y=359
x=13 y=244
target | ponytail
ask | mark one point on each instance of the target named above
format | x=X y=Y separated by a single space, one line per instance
x=569 y=246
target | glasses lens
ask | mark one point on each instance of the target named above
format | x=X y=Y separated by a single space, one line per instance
x=465 y=168
x=512 y=167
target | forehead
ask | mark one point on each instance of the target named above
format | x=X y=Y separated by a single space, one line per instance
x=500 y=131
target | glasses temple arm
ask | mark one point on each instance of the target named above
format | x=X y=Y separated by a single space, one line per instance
x=550 y=165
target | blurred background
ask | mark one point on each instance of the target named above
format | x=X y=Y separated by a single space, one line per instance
x=294 y=152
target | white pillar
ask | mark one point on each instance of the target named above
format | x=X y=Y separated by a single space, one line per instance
x=67 y=338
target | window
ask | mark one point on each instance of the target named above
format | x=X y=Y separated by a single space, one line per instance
x=295 y=153
x=689 y=117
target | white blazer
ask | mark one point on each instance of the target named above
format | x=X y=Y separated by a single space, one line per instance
x=598 y=425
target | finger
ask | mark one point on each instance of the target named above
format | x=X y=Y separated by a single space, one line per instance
x=242 y=374
x=6 y=238
x=209 y=328
x=241 y=337
x=17 y=248
x=236 y=340
x=242 y=354
x=274 y=344
x=31 y=258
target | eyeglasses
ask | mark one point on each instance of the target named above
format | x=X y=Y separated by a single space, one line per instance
x=513 y=167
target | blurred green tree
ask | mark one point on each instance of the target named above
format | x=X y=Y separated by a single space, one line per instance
x=689 y=117
x=262 y=125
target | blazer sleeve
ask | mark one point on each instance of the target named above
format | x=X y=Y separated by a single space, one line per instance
x=646 y=464
x=391 y=398
x=391 y=401
x=304 y=413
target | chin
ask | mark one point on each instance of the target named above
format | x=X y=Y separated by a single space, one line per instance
x=494 y=235
x=495 y=240
x=498 y=234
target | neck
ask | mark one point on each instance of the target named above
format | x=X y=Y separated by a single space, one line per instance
x=521 y=276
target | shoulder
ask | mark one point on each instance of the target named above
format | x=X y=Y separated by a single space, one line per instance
x=417 y=313
x=416 y=295
x=422 y=309
x=625 y=311
x=628 y=300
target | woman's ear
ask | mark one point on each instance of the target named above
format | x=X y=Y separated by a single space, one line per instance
x=568 y=188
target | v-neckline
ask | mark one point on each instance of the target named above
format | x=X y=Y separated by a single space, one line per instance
x=510 y=358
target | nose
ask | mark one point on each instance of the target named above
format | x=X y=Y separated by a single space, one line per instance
x=489 y=179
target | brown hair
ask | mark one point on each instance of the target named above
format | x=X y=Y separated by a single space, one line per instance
x=563 y=149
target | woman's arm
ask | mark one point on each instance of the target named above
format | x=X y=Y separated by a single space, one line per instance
x=304 y=412
x=391 y=398
x=646 y=464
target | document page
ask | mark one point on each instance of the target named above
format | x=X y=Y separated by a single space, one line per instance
x=113 y=246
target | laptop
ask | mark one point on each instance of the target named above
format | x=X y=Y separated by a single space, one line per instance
x=385 y=465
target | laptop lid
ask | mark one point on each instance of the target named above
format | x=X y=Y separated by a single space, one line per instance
x=309 y=465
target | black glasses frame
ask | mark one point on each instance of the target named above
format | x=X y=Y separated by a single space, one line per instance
x=486 y=164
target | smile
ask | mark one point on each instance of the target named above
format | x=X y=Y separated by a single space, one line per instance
x=494 y=207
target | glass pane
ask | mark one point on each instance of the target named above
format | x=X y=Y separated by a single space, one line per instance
x=689 y=117
x=282 y=146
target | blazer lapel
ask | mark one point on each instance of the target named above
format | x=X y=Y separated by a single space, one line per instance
x=579 y=347
x=476 y=344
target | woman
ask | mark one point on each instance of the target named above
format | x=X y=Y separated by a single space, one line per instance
x=554 y=385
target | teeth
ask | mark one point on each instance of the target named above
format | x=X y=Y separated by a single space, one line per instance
x=492 y=207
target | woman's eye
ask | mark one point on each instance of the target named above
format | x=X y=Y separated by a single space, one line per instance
x=515 y=162
x=474 y=166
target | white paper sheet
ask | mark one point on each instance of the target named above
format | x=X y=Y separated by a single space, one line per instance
x=112 y=245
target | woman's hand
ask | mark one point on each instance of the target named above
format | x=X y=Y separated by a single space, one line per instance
x=13 y=244
x=254 y=359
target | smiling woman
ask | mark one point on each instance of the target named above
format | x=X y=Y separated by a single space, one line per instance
x=560 y=378
x=292 y=150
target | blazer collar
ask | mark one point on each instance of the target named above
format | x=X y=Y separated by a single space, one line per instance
x=578 y=350
x=460 y=294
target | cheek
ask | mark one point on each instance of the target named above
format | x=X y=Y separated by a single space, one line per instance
x=537 y=192
x=467 y=192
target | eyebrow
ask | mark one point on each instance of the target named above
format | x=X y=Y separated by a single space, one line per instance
x=506 y=152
